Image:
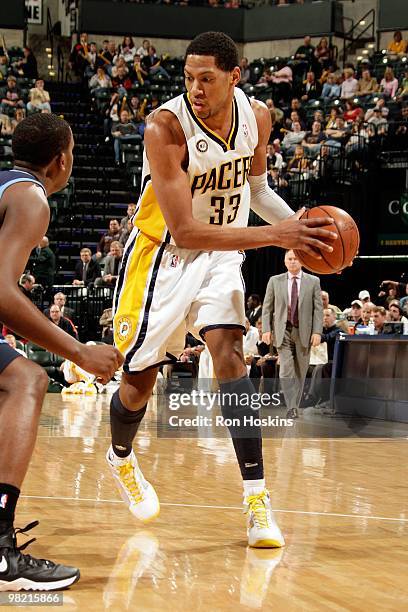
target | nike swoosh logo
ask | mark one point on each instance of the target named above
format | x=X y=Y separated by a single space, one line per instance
x=3 y=565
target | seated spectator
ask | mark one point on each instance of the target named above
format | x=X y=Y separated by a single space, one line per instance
x=151 y=64
x=108 y=55
x=379 y=122
x=27 y=67
x=78 y=58
x=121 y=82
x=296 y=105
x=111 y=115
x=349 y=85
x=60 y=299
x=294 y=117
x=282 y=81
x=403 y=88
x=278 y=183
x=131 y=209
x=100 y=80
x=111 y=267
x=356 y=308
x=364 y=296
x=397 y=315
x=65 y=324
x=254 y=308
x=367 y=313
x=299 y=163
x=379 y=316
x=4 y=66
x=273 y=159
x=326 y=302
x=127 y=49
x=323 y=53
x=106 y=321
x=389 y=84
x=12 y=97
x=331 y=89
x=397 y=46
x=139 y=74
x=332 y=120
x=338 y=135
x=118 y=62
x=26 y=284
x=11 y=341
x=137 y=113
x=121 y=131
x=293 y=138
x=314 y=138
x=44 y=264
x=367 y=85
x=144 y=49
x=245 y=72
x=93 y=61
x=305 y=53
x=382 y=106
x=113 y=234
x=277 y=112
x=318 y=116
x=324 y=164
x=352 y=112
x=86 y=269
x=39 y=98
x=126 y=233
x=311 y=89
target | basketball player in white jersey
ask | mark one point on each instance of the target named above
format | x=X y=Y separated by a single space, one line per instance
x=204 y=167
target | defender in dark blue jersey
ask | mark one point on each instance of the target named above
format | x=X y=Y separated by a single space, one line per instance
x=42 y=148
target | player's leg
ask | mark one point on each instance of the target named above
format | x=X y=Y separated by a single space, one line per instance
x=225 y=345
x=287 y=373
x=22 y=389
x=127 y=409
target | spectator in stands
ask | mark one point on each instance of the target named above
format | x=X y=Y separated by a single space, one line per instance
x=294 y=117
x=151 y=63
x=245 y=72
x=397 y=46
x=273 y=159
x=143 y=51
x=356 y=308
x=352 y=112
x=389 y=84
x=127 y=49
x=318 y=116
x=111 y=267
x=314 y=138
x=86 y=269
x=100 y=80
x=124 y=130
x=296 y=105
x=113 y=234
x=379 y=316
x=364 y=296
x=39 y=98
x=19 y=116
x=338 y=135
x=126 y=233
x=77 y=60
x=65 y=324
x=118 y=62
x=11 y=98
x=60 y=299
x=331 y=89
x=379 y=122
x=379 y=104
x=108 y=55
x=397 y=315
x=4 y=66
x=254 y=308
x=111 y=115
x=11 y=341
x=274 y=110
x=332 y=120
x=278 y=183
x=121 y=82
x=299 y=163
x=311 y=89
x=403 y=88
x=44 y=264
x=282 y=82
x=349 y=85
x=367 y=312
x=106 y=321
x=93 y=61
x=305 y=54
x=27 y=67
x=137 y=113
x=139 y=74
x=323 y=53
x=367 y=85
x=292 y=138
x=131 y=209
x=326 y=302
x=26 y=285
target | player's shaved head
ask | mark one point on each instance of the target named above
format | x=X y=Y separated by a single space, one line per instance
x=218 y=45
x=38 y=139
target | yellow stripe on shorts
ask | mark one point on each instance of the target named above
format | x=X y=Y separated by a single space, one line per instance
x=149 y=218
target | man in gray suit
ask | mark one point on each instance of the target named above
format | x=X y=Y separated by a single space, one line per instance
x=292 y=317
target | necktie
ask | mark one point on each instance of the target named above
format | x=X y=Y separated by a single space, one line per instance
x=84 y=272
x=294 y=315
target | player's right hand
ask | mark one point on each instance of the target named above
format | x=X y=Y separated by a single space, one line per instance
x=305 y=234
x=101 y=360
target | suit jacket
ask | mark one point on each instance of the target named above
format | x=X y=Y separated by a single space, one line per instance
x=93 y=271
x=254 y=315
x=109 y=267
x=67 y=313
x=275 y=308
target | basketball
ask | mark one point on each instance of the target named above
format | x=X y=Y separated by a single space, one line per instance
x=345 y=247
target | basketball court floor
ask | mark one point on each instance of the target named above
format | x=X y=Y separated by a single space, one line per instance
x=342 y=504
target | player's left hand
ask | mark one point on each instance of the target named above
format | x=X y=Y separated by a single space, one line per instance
x=315 y=340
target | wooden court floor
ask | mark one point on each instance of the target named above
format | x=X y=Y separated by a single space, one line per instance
x=341 y=503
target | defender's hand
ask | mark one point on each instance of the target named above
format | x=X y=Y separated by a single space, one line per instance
x=100 y=360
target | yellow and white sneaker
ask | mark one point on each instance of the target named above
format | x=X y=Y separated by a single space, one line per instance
x=263 y=532
x=134 y=489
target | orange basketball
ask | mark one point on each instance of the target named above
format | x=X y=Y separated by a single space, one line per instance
x=345 y=247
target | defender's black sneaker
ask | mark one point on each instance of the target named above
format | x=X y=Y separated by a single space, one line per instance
x=22 y=572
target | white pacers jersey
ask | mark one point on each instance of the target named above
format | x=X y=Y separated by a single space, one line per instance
x=217 y=170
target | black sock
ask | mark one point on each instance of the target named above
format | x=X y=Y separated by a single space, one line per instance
x=8 y=500
x=247 y=439
x=124 y=425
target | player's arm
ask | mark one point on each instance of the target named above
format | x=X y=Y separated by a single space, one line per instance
x=166 y=151
x=25 y=222
x=264 y=201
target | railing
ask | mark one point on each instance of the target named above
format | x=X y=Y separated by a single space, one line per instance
x=50 y=38
x=351 y=35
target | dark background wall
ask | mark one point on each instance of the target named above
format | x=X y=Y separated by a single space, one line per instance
x=266 y=23
x=393 y=15
x=12 y=14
